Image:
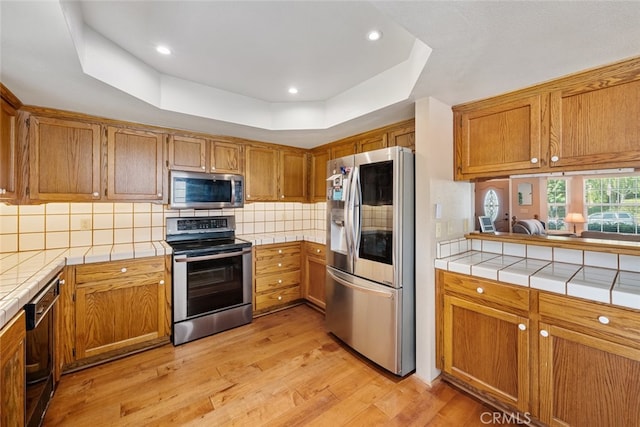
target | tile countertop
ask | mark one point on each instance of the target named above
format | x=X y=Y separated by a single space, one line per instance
x=607 y=285
x=24 y=274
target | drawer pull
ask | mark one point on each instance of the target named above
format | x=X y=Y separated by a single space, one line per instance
x=279 y=280
x=123 y=270
x=544 y=333
x=603 y=319
x=62 y=281
x=522 y=326
x=279 y=297
x=162 y=282
x=279 y=264
x=318 y=250
x=95 y=194
x=279 y=251
x=554 y=158
x=480 y=290
x=534 y=160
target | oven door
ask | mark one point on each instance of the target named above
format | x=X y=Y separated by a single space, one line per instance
x=209 y=283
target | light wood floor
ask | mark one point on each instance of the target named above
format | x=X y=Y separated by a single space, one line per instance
x=282 y=369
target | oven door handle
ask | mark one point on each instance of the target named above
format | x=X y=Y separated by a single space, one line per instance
x=209 y=257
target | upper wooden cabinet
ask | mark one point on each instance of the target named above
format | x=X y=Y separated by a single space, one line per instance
x=65 y=160
x=402 y=135
x=9 y=166
x=373 y=142
x=587 y=120
x=498 y=138
x=135 y=165
x=597 y=124
x=275 y=174
x=198 y=154
x=318 y=187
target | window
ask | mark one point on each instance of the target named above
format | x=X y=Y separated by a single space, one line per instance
x=556 y=203
x=491 y=204
x=613 y=204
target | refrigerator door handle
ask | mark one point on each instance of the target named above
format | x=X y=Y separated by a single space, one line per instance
x=356 y=197
x=348 y=219
x=381 y=293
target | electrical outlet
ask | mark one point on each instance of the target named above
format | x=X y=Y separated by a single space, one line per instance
x=438 y=230
x=85 y=224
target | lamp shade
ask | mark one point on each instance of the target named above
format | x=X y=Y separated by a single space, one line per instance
x=574 y=218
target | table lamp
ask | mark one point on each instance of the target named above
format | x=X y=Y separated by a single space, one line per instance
x=574 y=218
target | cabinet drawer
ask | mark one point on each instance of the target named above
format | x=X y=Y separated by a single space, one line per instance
x=606 y=319
x=315 y=250
x=278 y=297
x=119 y=269
x=486 y=291
x=277 y=281
x=277 y=265
x=277 y=251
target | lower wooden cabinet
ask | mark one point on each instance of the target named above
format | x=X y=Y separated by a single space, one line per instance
x=12 y=372
x=486 y=344
x=315 y=272
x=119 y=306
x=589 y=363
x=276 y=276
x=560 y=360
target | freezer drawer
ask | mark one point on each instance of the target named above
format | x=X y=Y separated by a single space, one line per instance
x=368 y=317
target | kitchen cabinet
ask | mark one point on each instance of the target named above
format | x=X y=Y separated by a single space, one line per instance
x=275 y=174
x=402 y=135
x=197 y=154
x=276 y=276
x=12 y=372
x=314 y=274
x=318 y=187
x=9 y=147
x=498 y=139
x=342 y=149
x=589 y=363
x=597 y=124
x=485 y=337
x=65 y=160
x=116 y=307
x=372 y=142
x=135 y=165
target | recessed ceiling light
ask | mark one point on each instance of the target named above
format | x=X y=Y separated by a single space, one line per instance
x=163 y=50
x=293 y=90
x=374 y=35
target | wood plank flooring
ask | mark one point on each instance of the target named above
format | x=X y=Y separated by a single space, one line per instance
x=283 y=369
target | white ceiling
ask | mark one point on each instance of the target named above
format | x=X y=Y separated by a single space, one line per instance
x=233 y=61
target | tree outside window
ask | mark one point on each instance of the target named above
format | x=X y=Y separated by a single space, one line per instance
x=556 y=203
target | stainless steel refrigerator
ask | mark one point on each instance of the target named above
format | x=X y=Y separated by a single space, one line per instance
x=370 y=289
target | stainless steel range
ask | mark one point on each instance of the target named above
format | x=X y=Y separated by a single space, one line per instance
x=211 y=277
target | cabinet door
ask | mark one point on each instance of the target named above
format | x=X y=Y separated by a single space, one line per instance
x=65 y=161
x=587 y=381
x=261 y=175
x=403 y=137
x=319 y=161
x=187 y=154
x=8 y=151
x=488 y=349
x=226 y=157
x=371 y=143
x=596 y=125
x=314 y=274
x=12 y=369
x=118 y=309
x=343 y=149
x=293 y=176
x=134 y=168
x=498 y=140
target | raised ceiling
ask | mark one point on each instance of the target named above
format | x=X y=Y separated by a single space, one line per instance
x=232 y=62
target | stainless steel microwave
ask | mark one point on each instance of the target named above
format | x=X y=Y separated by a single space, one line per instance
x=195 y=190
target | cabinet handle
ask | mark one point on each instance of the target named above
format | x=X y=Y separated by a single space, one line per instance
x=279 y=264
x=318 y=250
x=603 y=319
x=123 y=270
x=203 y=167
x=159 y=194
x=544 y=333
x=95 y=194
x=279 y=297
x=62 y=282
x=279 y=251
x=279 y=280
x=162 y=282
x=534 y=160
x=282 y=196
x=555 y=158
x=480 y=290
x=522 y=326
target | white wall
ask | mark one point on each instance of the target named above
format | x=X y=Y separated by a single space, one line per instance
x=434 y=184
